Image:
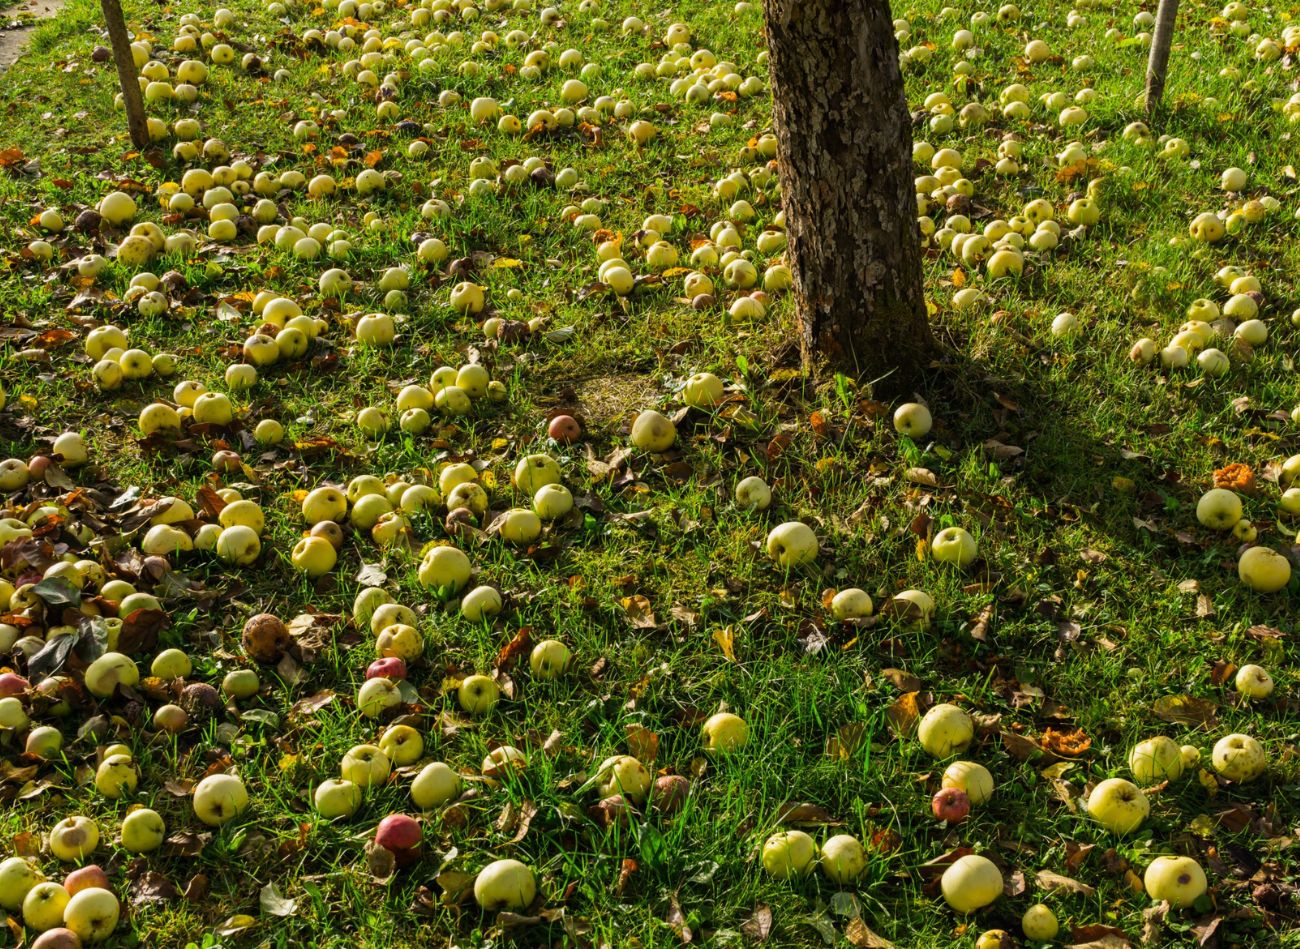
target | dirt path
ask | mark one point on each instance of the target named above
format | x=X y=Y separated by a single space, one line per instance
x=13 y=39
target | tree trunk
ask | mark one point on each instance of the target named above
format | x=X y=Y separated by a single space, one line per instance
x=845 y=147
x=1158 y=63
x=136 y=121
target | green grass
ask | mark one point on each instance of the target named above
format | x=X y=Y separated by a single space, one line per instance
x=1093 y=522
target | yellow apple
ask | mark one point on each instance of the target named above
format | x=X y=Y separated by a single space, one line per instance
x=971 y=883
x=1178 y=880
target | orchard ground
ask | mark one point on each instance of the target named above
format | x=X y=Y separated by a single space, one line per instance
x=1098 y=614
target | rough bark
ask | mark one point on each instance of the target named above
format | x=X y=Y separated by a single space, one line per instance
x=1158 y=62
x=845 y=145
x=136 y=121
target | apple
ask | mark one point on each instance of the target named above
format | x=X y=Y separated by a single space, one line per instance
x=445 y=568
x=1039 y=924
x=653 y=432
x=11 y=683
x=549 y=659
x=944 y=730
x=74 y=838
x=58 y=938
x=843 y=859
x=753 y=494
x=954 y=545
x=171 y=664
x=724 y=732
x=84 y=878
x=377 y=696
x=790 y=853
x=365 y=766
x=116 y=777
x=995 y=938
x=535 y=471
x=387 y=667
x=45 y=741
x=564 y=429
x=552 y=501
x=478 y=694
x=110 y=670
x=1254 y=682
x=143 y=830
x=1218 y=509
x=240 y=684
x=623 y=774
x=1156 y=759
x=703 y=390
x=1179 y=880
x=950 y=804
x=219 y=798
x=1118 y=805
x=1239 y=758
x=1263 y=570
x=324 y=504
x=238 y=545
x=669 y=792
x=505 y=885
x=314 y=556
x=403 y=745
x=400 y=834
x=1191 y=756
x=520 y=526
x=501 y=759
x=913 y=420
x=971 y=777
x=792 y=544
x=336 y=798
x=92 y=914
x=435 y=785
x=17 y=877
x=43 y=906
x=265 y=638
x=971 y=883
x=851 y=604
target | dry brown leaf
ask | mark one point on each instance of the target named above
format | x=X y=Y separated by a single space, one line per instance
x=903 y=714
x=1055 y=881
x=857 y=933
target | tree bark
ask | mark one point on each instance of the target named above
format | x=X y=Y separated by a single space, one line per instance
x=845 y=154
x=136 y=121
x=1158 y=62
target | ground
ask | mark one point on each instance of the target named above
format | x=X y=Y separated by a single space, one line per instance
x=1098 y=613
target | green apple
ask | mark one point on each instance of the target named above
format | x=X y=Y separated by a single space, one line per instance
x=724 y=732
x=171 y=664
x=535 y=471
x=501 y=759
x=1218 y=509
x=110 y=670
x=17 y=877
x=954 y=545
x=240 y=683
x=435 y=785
x=520 y=526
x=1254 y=682
x=653 y=432
x=913 y=420
x=402 y=744
x=1263 y=569
x=1178 y=880
x=238 y=545
x=143 y=830
x=336 y=798
x=971 y=883
x=623 y=774
x=377 y=696
x=790 y=853
x=116 y=777
x=851 y=604
x=945 y=730
x=74 y=838
x=549 y=659
x=971 y=777
x=1118 y=805
x=505 y=885
x=480 y=603
x=365 y=766
x=43 y=906
x=44 y=741
x=478 y=694
x=753 y=494
x=1239 y=758
x=843 y=859
x=703 y=390
x=1039 y=924
x=552 y=501
x=792 y=544
x=92 y=914
x=1156 y=759
x=219 y=798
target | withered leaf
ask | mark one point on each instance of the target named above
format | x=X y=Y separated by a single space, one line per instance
x=1185 y=710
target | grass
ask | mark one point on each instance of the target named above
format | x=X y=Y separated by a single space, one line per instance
x=1078 y=614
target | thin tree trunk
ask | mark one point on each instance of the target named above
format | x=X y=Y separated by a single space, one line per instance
x=845 y=147
x=136 y=121
x=1158 y=63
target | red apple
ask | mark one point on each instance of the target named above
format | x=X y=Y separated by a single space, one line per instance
x=669 y=793
x=37 y=466
x=91 y=876
x=11 y=683
x=951 y=804
x=59 y=938
x=389 y=667
x=401 y=834
x=226 y=461
x=330 y=531
x=564 y=429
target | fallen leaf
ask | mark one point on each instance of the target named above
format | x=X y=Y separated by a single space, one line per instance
x=858 y=934
x=274 y=903
x=903 y=714
x=759 y=925
x=1055 y=881
x=1185 y=710
x=726 y=640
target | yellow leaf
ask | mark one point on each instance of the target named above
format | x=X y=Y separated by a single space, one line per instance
x=726 y=640
x=506 y=263
x=499 y=443
x=921 y=548
x=1209 y=782
x=959 y=278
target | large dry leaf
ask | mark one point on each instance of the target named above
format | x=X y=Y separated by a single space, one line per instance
x=903 y=714
x=759 y=925
x=1185 y=710
x=858 y=934
x=1055 y=881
